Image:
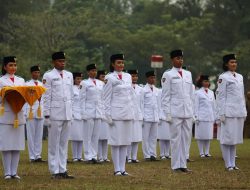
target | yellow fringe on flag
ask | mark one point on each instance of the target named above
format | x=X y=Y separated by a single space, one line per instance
x=30 y=114
x=39 y=112
x=16 y=122
x=1 y=110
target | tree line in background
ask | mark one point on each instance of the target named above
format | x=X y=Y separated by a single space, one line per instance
x=89 y=31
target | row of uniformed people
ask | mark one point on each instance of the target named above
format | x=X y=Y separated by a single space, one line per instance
x=180 y=103
x=117 y=93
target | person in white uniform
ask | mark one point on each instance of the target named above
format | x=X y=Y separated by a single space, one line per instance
x=204 y=112
x=118 y=103
x=92 y=113
x=231 y=109
x=58 y=111
x=150 y=117
x=12 y=139
x=177 y=105
x=34 y=125
x=163 y=133
x=138 y=120
x=76 y=129
x=104 y=135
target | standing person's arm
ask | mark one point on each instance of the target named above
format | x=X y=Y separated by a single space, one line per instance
x=166 y=96
x=47 y=95
x=107 y=94
x=196 y=106
x=221 y=98
x=82 y=97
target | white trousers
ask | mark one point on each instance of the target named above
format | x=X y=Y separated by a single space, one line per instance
x=180 y=130
x=119 y=157
x=77 y=149
x=164 y=147
x=228 y=153
x=103 y=149
x=149 y=138
x=34 y=137
x=204 y=146
x=10 y=160
x=58 y=134
x=188 y=144
x=91 y=132
x=132 y=150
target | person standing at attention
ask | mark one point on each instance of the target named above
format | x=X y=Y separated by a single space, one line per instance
x=177 y=105
x=232 y=112
x=58 y=111
x=118 y=103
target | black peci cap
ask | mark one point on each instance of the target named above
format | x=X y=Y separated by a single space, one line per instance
x=34 y=68
x=115 y=57
x=133 y=72
x=90 y=67
x=176 y=53
x=58 y=55
x=149 y=74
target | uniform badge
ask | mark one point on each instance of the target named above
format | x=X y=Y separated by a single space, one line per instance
x=44 y=81
x=80 y=87
x=163 y=79
x=220 y=81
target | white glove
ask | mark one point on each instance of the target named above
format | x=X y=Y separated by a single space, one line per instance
x=222 y=118
x=217 y=121
x=84 y=117
x=109 y=120
x=196 y=122
x=169 y=118
x=47 y=122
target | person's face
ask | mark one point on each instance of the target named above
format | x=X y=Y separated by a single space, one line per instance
x=59 y=64
x=118 y=65
x=151 y=80
x=232 y=65
x=134 y=78
x=102 y=78
x=77 y=80
x=10 y=68
x=92 y=73
x=177 y=61
x=35 y=75
x=205 y=83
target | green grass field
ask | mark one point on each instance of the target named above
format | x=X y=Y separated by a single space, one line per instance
x=207 y=174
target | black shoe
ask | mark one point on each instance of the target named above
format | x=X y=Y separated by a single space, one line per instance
x=40 y=160
x=15 y=177
x=168 y=157
x=135 y=161
x=185 y=170
x=189 y=160
x=153 y=158
x=117 y=173
x=65 y=175
x=56 y=176
x=124 y=173
x=236 y=168
x=32 y=160
x=177 y=170
x=208 y=155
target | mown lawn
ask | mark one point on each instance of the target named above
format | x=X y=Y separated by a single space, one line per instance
x=207 y=174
